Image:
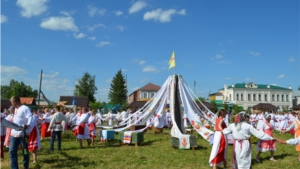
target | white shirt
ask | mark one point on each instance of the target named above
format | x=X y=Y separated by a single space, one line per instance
x=56 y=120
x=293 y=141
x=23 y=116
x=124 y=115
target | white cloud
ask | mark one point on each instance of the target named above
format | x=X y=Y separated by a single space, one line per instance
x=92 y=38
x=182 y=12
x=281 y=76
x=139 y=5
x=162 y=15
x=64 y=23
x=12 y=70
x=3 y=19
x=93 y=11
x=79 y=36
x=291 y=59
x=140 y=62
x=91 y=28
x=32 y=7
x=100 y=44
x=124 y=70
x=118 y=13
x=50 y=75
x=121 y=28
x=108 y=80
x=218 y=56
x=248 y=79
x=228 y=78
x=150 y=69
x=254 y=53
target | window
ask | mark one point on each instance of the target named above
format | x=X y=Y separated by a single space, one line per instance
x=282 y=98
x=273 y=97
x=152 y=95
x=254 y=97
x=145 y=95
x=249 y=97
x=278 y=97
x=230 y=97
x=237 y=97
x=242 y=97
x=287 y=98
x=266 y=97
x=259 y=97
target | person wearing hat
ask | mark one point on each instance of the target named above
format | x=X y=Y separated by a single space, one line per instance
x=266 y=145
x=241 y=131
x=296 y=127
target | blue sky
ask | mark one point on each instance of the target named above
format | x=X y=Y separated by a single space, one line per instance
x=215 y=42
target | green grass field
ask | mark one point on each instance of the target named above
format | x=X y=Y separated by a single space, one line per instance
x=155 y=152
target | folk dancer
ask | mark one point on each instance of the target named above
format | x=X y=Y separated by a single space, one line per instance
x=277 y=122
x=241 y=131
x=92 y=126
x=34 y=138
x=45 y=124
x=2 y=134
x=296 y=126
x=56 y=128
x=83 y=128
x=266 y=145
x=253 y=119
x=284 y=121
x=109 y=118
x=169 y=119
x=260 y=121
x=10 y=118
x=218 y=155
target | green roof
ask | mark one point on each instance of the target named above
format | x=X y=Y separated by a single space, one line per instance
x=259 y=86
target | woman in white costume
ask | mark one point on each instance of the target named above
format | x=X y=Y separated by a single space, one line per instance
x=260 y=121
x=241 y=150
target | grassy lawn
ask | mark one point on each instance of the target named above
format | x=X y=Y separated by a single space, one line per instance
x=155 y=152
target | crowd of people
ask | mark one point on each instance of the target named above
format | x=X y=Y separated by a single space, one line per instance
x=27 y=128
x=259 y=124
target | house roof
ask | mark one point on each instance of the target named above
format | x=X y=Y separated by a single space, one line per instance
x=150 y=87
x=81 y=101
x=264 y=106
x=28 y=100
x=297 y=107
x=257 y=86
x=217 y=94
x=206 y=104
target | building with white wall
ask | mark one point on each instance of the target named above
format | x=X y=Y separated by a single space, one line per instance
x=249 y=94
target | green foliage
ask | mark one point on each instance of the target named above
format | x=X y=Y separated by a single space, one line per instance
x=236 y=108
x=155 y=152
x=97 y=105
x=16 y=88
x=86 y=87
x=118 y=90
x=202 y=99
x=225 y=106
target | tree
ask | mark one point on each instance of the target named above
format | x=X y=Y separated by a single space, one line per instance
x=16 y=88
x=202 y=99
x=118 y=90
x=86 y=87
x=236 y=108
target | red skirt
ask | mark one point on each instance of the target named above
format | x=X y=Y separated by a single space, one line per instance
x=33 y=140
x=80 y=129
x=2 y=145
x=44 y=132
x=220 y=156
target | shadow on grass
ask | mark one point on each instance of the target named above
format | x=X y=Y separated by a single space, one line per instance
x=67 y=161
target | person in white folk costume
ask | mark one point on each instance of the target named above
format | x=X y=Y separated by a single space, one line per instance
x=45 y=124
x=169 y=119
x=241 y=131
x=277 y=122
x=92 y=126
x=99 y=118
x=253 y=119
x=159 y=121
x=284 y=121
x=109 y=118
x=266 y=145
x=185 y=119
x=259 y=119
x=273 y=119
x=83 y=128
x=10 y=118
x=34 y=143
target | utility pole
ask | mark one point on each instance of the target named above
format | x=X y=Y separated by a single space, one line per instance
x=40 y=88
x=127 y=89
x=195 y=88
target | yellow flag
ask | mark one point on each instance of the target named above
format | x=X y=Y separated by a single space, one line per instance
x=172 y=62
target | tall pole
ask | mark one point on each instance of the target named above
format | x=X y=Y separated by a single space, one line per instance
x=127 y=89
x=40 y=88
x=195 y=87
